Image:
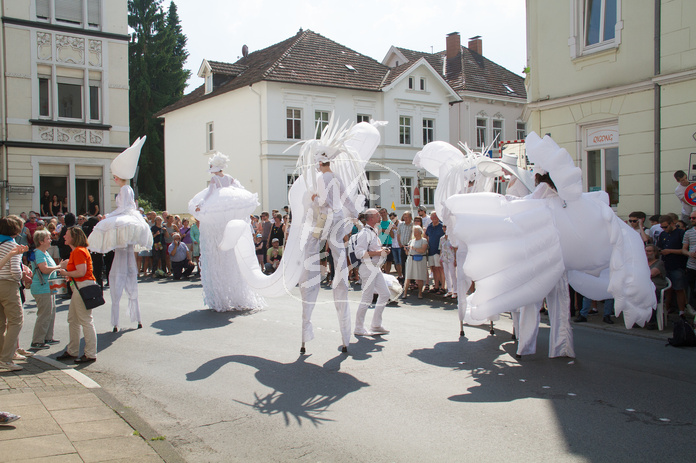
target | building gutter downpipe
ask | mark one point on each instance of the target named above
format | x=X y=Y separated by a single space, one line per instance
x=657 y=111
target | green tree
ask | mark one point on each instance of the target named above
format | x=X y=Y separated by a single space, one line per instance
x=157 y=53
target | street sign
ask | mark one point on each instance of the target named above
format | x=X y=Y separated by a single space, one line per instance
x=690 y=194
x=429 y=183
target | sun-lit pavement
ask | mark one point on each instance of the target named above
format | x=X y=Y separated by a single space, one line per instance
x=231 y=387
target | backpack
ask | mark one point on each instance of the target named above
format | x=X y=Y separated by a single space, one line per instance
x=683 y=334
x=355 y=262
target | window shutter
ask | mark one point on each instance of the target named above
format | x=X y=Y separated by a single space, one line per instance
x=42 y=9
x=69 y=10
x=94 y=12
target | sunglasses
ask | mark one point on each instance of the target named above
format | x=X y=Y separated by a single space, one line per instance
x=633 y=220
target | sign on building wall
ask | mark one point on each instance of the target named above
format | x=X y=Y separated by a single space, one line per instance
x=601 y=137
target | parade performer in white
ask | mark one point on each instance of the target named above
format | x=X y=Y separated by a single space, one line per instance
x=126 y=232
x=225 y=199
x=369 y=250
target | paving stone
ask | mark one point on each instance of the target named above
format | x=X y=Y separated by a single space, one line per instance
x=114 y=427
x=35 y=447
x=124 y=448
x=32 y=412
x=76 y=399
x=29 y=428
x=69 y=458
x=17 y=400
x=79 y=415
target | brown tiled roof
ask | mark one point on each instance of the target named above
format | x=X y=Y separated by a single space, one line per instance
x=306 y=58
x=472 y=72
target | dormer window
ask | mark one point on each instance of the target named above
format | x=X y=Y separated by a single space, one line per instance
x=422 y=83
x=411 y=83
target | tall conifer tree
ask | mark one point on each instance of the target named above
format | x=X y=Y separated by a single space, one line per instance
x=157 y=76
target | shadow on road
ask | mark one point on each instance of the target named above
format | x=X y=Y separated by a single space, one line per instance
x=301 y=390
x=197 y=320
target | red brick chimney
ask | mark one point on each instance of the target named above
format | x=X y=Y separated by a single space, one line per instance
x=476 y=44
x=454 y=44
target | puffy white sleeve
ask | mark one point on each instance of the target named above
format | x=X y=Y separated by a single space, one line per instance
x=514 y=252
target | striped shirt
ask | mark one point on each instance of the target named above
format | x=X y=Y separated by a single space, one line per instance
x=13 y=269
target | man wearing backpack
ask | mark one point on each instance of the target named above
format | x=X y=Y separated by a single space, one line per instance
x=368 y=248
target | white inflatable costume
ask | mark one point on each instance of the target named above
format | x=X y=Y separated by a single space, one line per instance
x=124 y=231
x=225 y=199
x=522 y=251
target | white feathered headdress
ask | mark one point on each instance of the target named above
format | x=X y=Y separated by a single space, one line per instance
x=334 y=146
x=218 y=162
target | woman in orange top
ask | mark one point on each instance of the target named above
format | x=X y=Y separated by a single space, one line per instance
x=79 y=269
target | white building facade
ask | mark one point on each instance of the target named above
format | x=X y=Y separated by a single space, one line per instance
x=257 y=121
x=65 y=100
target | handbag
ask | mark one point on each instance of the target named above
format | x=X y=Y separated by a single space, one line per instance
x=92 y=296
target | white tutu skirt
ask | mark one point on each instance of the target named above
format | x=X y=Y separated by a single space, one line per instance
x=120 y=231
x=224 y=288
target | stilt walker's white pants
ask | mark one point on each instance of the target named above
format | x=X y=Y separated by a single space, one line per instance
x=124 y=276
x=310 y=282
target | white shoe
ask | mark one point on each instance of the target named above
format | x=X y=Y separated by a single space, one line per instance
x=25 y=353
x=379 y=330
x=362 y=332
x=18 y=356
x=9 y=366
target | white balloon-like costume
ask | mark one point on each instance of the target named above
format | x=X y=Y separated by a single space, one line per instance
x=225 y=199
x=521 y=251
x=124 y=231
x=332 y=199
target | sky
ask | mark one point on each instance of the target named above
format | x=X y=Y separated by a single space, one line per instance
x=217 y=29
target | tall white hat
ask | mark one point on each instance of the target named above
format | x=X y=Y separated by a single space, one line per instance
x=125 y=163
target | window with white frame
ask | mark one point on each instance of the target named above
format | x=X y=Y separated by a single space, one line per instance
x=44 y=96
x=404 y=130
x=601 y=157
x=66 y=94
x=364 y=118
x=596 y=25
x=209 y=141
x=208 y=83
x=411 y=83
x=422 y=83
x=428 y=131
x=521 y=131
x=321 y=120
x=76 y=13
x=294 y=123
x=427 y=196
x=600 y=21
x=406 y=190
x=69 y=98
x=498 y=130
x=290 y=180
x=481 y=129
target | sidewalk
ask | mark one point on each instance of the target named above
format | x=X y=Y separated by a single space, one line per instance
x=67 y=417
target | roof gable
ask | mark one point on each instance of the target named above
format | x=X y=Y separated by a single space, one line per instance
x=401 y=72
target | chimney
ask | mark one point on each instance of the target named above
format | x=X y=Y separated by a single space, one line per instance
x=454 y=45
x=476 y=44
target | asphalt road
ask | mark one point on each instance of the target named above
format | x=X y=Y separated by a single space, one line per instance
x=232 y=387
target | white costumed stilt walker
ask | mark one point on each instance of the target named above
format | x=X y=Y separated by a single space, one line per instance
x=323 y=205
x=554 y=236
x=124 y=231
x=223 y=201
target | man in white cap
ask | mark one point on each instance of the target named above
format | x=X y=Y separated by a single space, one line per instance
x=369 y=250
